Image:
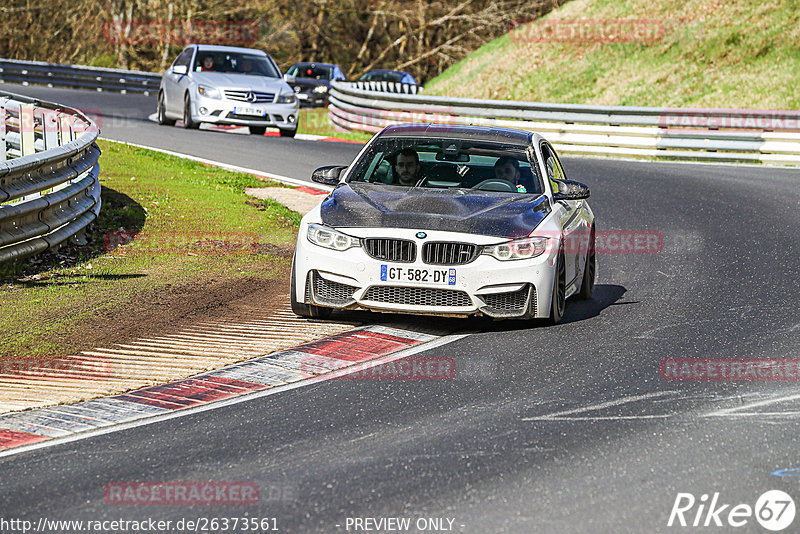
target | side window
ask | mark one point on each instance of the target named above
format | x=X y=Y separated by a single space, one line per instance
x=558 y=169
x=552 y=167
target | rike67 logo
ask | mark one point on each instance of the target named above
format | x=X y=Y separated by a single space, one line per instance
x=774 y=510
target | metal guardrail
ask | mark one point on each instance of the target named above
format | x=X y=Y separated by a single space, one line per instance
x=666 y=133
x=49 y=187
x=388 y=87
x=78 y=76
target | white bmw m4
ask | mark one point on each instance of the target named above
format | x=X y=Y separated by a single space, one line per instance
x=449 y=221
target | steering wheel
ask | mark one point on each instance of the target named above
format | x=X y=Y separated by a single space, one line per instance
x=496 y=184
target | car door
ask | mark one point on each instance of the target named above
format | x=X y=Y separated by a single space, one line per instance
x=175 y=84
x=570 y=215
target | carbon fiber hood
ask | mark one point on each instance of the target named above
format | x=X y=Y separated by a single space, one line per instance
x=456 y=210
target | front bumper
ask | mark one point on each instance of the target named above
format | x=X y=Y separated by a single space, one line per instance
x=224 y=111
x=351 y=279
x=311 y=99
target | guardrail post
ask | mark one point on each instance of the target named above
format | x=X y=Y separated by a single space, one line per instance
x=50 y=129
x=26 y=134
x=65 y=129
x=3 y=115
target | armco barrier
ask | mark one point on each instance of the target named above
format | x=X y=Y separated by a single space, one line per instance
x=49 y=187
x=78 y=76
x=669 y=133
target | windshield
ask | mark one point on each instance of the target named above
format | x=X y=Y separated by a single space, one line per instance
x=312 y=72
x=447 y=163
x=235 y=63
x=389 y=76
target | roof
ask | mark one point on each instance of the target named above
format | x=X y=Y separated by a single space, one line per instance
x=479 y=133
x=219 y=48
x=314 y=63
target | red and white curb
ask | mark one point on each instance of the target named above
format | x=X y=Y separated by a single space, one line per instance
x=305 y=364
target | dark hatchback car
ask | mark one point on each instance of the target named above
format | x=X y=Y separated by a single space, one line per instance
x=397 y=76
x=312 y=81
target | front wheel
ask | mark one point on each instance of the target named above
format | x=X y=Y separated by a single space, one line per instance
x=188 y=123
x=161 y=112
x=288 y=133
x=301 y=308
x=558 y=301
x=257 y=130
x=590 y=271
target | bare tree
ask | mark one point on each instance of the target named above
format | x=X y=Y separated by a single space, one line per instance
x=423 y=37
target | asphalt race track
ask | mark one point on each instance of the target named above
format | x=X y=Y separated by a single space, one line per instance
x=543 y=429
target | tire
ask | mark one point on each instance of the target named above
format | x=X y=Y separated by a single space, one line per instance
x=161 y=112
x=188 y=123
x=590 y=271
x=257 y=130
x=288 y=133
x=558 y=301
x=302 y=309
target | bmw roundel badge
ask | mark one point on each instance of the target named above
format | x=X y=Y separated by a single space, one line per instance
x=421 y=235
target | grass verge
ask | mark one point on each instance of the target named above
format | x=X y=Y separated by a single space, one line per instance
x=679 y=53
x=315 y=121
x=173 y=236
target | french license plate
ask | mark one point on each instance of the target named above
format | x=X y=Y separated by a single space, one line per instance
x=242 y=110
x=413 y=274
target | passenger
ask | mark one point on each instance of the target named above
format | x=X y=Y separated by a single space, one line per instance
x=208 y=63
x=406 y=167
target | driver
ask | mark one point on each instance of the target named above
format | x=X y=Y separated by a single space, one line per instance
x=208 y=63
x=246 y=65
x=507 y=168
x=406 y=167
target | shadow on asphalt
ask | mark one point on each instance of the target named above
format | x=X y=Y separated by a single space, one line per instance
x=605 y=295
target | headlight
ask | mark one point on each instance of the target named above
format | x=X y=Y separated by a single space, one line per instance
x=330 y=238
x=209 y=92
x=518 y=249
x=286 y=98
x=321 y=89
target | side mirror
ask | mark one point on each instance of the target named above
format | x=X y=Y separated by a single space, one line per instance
x=288 y=78
x=328 y=175
x=180 y=69
x=571 y=190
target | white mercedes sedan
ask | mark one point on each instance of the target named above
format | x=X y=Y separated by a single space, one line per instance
x=227 y=85
x=449 y=221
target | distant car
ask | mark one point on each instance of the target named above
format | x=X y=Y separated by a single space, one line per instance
x=388 y=76
x=312 y=81
x=227 y=85
x=484 y=223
